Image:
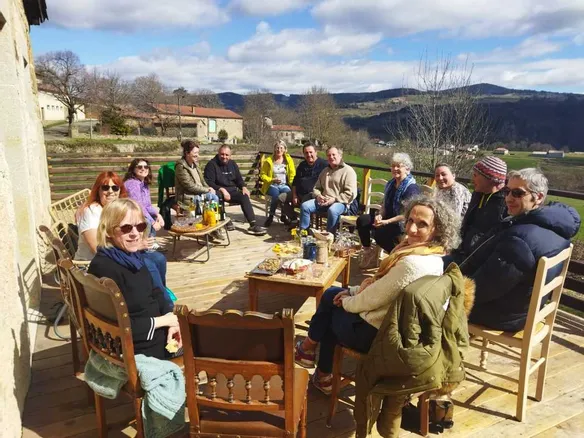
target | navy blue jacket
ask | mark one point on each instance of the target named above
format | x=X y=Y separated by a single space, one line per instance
x=306 y=176
x=219 y=175
x=504 y=262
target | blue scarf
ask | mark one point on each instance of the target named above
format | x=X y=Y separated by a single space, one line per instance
x=399 y=192
x=132 y=261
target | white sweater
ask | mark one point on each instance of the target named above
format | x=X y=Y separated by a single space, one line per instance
x=373 y=303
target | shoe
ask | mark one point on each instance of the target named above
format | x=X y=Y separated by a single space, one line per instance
x=285 y=219
x=269 y=221
x=306 y=359
x=230 y=226
x=256 y=230
x=442 y=413
x=368 y=259
x=323 y=383
x=217 y=235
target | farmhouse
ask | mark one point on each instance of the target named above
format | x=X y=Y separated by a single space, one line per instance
x=501 y=151
x=555 y=154
x=292 y=134
x=52 y=109
x=539 y=154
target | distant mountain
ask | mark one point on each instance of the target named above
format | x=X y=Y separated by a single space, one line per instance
x=556 y=122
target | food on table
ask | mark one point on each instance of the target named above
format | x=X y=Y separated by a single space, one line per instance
x=172 y=346
x=270 y=265
x=296 y=265
x=285 y=248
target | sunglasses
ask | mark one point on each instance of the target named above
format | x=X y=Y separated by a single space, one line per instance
x=126 y=228
x=142 y=166
x=106 y=187
x=516 y=193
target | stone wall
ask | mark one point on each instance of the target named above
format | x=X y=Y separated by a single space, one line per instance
x=24 y=201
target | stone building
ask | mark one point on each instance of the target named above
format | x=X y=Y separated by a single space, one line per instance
x=291 y=134
x=54 y=110
x=24 y=202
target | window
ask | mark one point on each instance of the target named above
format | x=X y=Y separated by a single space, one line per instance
x=212 y=125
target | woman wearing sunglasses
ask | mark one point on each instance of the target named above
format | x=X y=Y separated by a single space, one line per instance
x=120 y=235
x=137 y=182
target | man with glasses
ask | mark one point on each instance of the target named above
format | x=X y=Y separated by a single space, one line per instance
x=307 y=174
x=503 y=263
x=223 y=176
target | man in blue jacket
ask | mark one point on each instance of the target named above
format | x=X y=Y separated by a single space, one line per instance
x=503 y=263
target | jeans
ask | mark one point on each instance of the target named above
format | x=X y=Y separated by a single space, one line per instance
x=274 y=191
x=332 y=325
x=156 y=264
x=334 y=212
x=206 y=197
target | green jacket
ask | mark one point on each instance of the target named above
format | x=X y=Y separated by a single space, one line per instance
x=267 y=172
x=419 y=346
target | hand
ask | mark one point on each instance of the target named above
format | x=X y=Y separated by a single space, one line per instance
x=160 y=220
x=157 y=226
x=295 y=201
x=174 y=333
x=276 y=180
x=245 y=191
x=320 y=200
x=226 y=194
x=338 y=299
x=146 y=243
x=382 y=223
x=211 y=190
x=378 y=218
x=171 y=320
x=330 y=200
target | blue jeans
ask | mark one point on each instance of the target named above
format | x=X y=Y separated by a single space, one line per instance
x=274 y=191
x=206 y=197
x=156 y=264
x=332 y=325
x=334 y=212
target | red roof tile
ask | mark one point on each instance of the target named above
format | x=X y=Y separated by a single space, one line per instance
x=189 y=110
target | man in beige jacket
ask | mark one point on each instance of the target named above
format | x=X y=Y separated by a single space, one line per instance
x=335 y=189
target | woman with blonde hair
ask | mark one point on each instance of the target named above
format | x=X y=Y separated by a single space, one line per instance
x=121 y=231
x=277 y=174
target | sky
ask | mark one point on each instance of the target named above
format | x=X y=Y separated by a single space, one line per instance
x=288 y=46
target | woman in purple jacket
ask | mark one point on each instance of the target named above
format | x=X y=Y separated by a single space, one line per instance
x=137 y=182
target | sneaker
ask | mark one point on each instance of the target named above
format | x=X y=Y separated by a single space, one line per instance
x=284 y=219
x=256 y=230
x=368 y=259
x=217 y=235
x=323 y=383
x=230 y=226
x=307 y=359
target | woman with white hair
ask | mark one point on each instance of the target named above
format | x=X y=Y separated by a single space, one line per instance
x=277 y=174
x=387 y=223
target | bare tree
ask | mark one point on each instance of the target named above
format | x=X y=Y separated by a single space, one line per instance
x=204 y=98
x=320 y=116
x=445 y=118
x=63 y=74
x=258 y=105
x=147 y=92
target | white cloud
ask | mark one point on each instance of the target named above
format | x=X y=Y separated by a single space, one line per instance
x=533 y=47
x=130 y=15
x=266 y=8
x=178 y=68
x=290 y=44
x=478 y=18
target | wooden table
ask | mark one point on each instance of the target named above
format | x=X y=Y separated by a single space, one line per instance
x=200 y=234
x=295 y=285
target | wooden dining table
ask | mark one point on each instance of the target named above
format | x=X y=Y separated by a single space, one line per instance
x=310 y=283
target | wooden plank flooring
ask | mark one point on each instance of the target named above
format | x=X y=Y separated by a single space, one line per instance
x=57 y=403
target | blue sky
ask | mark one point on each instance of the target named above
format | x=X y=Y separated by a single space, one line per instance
x=287 y=46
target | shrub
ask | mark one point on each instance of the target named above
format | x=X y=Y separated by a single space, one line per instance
x=222 y=135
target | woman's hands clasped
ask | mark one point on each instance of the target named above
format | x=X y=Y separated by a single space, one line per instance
x=338 y=299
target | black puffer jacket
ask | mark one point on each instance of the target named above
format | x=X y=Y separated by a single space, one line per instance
x=504 y=262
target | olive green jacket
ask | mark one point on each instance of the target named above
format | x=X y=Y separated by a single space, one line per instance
x=419 y=346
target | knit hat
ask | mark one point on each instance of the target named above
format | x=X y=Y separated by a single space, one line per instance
x=492 y=168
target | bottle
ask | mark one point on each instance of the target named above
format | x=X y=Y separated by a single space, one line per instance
x=198 y=210
x=222 y=209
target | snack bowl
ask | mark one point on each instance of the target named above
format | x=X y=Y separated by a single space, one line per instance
x=296 y=265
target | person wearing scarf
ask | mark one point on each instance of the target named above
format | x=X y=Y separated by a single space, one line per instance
x=119 y=234
x=352 y=317
x=386 y=225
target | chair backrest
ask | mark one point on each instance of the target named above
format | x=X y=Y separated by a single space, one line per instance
x=232 y=347
x=61 y=238
x=374 y=199
x=546 y=312
x=104 y=318
x=64 y=209
x=165 y=182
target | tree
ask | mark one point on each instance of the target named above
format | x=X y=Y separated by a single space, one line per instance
x=146 y=93
x=222 y=135
x=258 y=105
x=445 y=119
x=63 y=74
x=320 y=117
x=204 y=98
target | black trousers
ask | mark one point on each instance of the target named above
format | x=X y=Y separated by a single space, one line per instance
x=238 y=198
x=386 y=236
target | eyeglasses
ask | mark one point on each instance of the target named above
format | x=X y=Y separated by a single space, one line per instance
x=126 y=228
x=142 y=167
x=106 y=188
x=516 y=193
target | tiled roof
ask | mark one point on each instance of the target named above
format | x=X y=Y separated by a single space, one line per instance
x=287 y=128
x=189 y=110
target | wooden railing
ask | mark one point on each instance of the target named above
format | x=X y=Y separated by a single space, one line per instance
x=576 y=267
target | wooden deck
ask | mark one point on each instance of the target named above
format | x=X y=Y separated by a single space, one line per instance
x=57 y=403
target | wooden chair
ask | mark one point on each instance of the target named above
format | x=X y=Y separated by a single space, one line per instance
x=64 y=209
x=107 y=331
x=373 y=201
x=253 y=387
x=538 y=330
x=340 y=380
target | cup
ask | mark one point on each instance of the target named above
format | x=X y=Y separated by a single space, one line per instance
x=309 y=251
